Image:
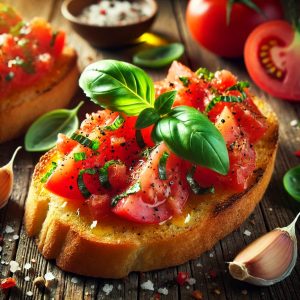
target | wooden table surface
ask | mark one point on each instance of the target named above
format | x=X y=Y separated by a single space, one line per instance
x=276 y=209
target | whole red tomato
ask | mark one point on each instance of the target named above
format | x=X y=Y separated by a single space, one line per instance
x=207 y=22
x=272 y=58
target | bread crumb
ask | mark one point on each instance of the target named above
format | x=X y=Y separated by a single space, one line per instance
x=197 y=295
x=187 y=219
x=148 y=285
x=107 y=288
x=49 y=276
x=39 y=282
x=14 y=266
x=163 y=291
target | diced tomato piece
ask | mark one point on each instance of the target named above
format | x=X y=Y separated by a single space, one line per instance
x=154 y=202
x=118 y=177
x=223 y=80
x=64 y=144
x=7 y=283
x=8 y=17
x=182 y=277
x=57 y=43
x=99 y=206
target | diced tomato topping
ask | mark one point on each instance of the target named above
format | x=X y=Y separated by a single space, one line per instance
x=182 y=277
x=156 y=199
x=7 y=283
x=28 y=50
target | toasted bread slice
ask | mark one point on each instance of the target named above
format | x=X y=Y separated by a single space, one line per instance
x=54 y=90
x=116 y=247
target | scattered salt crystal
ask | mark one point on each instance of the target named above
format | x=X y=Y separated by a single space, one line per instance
x=270 y=209
x=247 y=232
x=26 y=278
x=14 y=266
x=10 y=240
x=187 y=219
x=92 y=286
x=49 y=276
x=199 y=265
x=94 y=224
x=244 y=292
x=64 y=204
x=29 y=294
x=191 y=281
x=15 y=237
x=211 y=255
x=8 y=229
x=163 y=291
x=74 y=280
x=78 y=212
x=27 y=266
x=187 y=287
x=2 y=262
x=107 y=288
x=119 y=287
x=148 y=285
x=294 y=123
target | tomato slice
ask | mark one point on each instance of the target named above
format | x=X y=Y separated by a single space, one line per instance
x=272 y=58
x=158 y=200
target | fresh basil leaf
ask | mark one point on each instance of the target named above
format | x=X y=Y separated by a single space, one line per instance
x=118 y=86
x=132 y=190
x=139 y=139
x=78 y=156
x=103 y=172
x=185 y=81
x=218 y=99
x=80 y=182
x=190 y=135
x=205 y=74
x=194 y=185
x=42 y=134
x=164 y=102
x=117 y=123
x=146 y=118
x=159 y=57
x=162 y=172
x=291 y=182
x=84 y=141
x=49 y=173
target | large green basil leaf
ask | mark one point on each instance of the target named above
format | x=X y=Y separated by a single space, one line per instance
x=190 y=135
x=118 y=86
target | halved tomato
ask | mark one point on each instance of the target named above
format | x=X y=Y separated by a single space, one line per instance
x=272 y=58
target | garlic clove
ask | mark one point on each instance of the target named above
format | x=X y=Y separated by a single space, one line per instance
x=6 y=180
x=269 y=259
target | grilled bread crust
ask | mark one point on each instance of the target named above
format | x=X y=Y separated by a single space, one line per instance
x=116 y=247
x=54 y=90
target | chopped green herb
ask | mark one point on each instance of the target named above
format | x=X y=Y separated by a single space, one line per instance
x=79 y=156
x=15 y=30
x=117 y=123
x=133 y=189
x=103 y=172
x=194 y=185
x=27 y=66
x=53 y=38
x=218 y=99
x=80 y=182
x=92 y=144
x=184 y=80
x=162 y=172
x=205 y=74
x=139 y=139
x=10 y=76
x=240 y=87
x=49 y=173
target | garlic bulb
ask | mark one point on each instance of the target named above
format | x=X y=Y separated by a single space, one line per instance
x=7 y=180
x=269 y=259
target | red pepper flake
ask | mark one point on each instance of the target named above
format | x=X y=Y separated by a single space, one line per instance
x=182 y=277
x=297 y=153
x=7 y=283
x=212 y=274
x=197 y=295
x=102 y=12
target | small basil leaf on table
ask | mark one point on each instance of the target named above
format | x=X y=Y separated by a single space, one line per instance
x=159 y=57
x=118 y=86
x=42 y=134
x=146 y=118
x=164 y=102
x=291 y=182
x=190 y=135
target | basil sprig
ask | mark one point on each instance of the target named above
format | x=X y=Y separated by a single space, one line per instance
x=188 y=133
